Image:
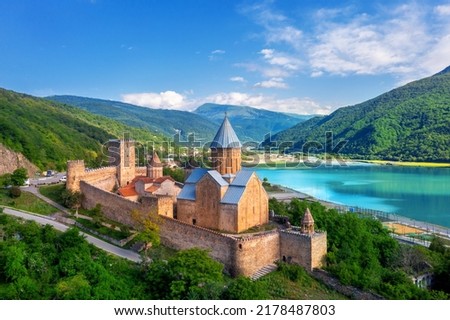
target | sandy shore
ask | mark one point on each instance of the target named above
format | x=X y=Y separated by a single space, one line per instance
x=288 y=194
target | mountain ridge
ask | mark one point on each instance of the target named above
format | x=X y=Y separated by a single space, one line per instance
x=204 y=121
x=407 y=123
x=251 y=124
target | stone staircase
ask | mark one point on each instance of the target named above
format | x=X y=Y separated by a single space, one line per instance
x=263 y=271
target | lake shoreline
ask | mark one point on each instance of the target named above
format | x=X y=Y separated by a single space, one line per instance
x=313 y=162
x=287 y=194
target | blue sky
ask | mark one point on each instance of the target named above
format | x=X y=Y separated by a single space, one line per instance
x=305 y=56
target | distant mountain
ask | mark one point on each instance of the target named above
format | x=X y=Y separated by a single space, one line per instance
x=49 y=133
x=411 y=122
x=250 y=124
x=166 y=122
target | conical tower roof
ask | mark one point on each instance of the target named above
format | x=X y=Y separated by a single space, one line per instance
x=155 y=162
x=307 y=217
x=226 y=137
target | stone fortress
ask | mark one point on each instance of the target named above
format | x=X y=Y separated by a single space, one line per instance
x=214 y=209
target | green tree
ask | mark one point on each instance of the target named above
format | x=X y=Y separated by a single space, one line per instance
x=148 y=225
x=72 y=199
x=19 y=176
x=73 y=288
x=5 y=180
x=14 y=257
x=177 y=173
x=189 y=273
x=15 y=192
x=243 y=288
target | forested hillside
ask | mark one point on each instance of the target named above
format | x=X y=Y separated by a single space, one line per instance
x=408 y=123
x=49 y=133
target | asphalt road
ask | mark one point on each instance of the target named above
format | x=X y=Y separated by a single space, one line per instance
x=123 y=253
x=47 y=180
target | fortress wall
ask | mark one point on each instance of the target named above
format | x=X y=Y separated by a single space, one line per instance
x=319 y=249
x=99 y=174
x=296 y=248
x=308 y=251
x=114 y=206
x=180 y=236
x=256 y=252
x=108 y=183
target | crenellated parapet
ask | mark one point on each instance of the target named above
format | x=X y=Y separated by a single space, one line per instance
x=76 y=172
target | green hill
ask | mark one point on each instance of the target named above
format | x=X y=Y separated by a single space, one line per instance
x=250 y=124
x=49 y=133
x=166 y=122
x=411 y=123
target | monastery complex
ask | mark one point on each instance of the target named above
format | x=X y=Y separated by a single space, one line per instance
x=215 y=209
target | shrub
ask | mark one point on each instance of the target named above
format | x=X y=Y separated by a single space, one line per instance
x=15 y=192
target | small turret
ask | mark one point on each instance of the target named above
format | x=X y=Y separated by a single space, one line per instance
x=154 y=167
x=307 y=224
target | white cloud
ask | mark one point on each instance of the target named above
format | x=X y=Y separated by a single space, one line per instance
x=437 y=58
x=238 y=79
x=272 y=83
x=216 y=54
x=443 y=10
x=401 y=40
x=290 y=105
x=165 y=100
x=175 y=101
x=276 y=25
x=280 y=59
x=362 y=46
x=286 y=34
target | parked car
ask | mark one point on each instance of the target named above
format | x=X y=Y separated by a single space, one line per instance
x=63 y=179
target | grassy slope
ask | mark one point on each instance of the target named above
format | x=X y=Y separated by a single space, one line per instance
x=26 y=202
x=49 y=133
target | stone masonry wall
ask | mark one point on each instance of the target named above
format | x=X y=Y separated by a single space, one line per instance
x=254 y=253
x=99 y=174
x=319 y=250
x=180 y=236
x=114 y=206
x=107 y=183
x=306 y=250
x=239 y=256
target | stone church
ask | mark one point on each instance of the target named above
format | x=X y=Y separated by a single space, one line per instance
x=225 y=198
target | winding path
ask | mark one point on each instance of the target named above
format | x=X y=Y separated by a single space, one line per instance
x=43 y=220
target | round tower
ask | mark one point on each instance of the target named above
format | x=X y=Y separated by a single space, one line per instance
x=75 y=171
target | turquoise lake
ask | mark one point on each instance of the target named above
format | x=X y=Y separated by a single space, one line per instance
x=417 y=193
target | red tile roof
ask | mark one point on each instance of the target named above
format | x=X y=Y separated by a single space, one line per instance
x=127 y=191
